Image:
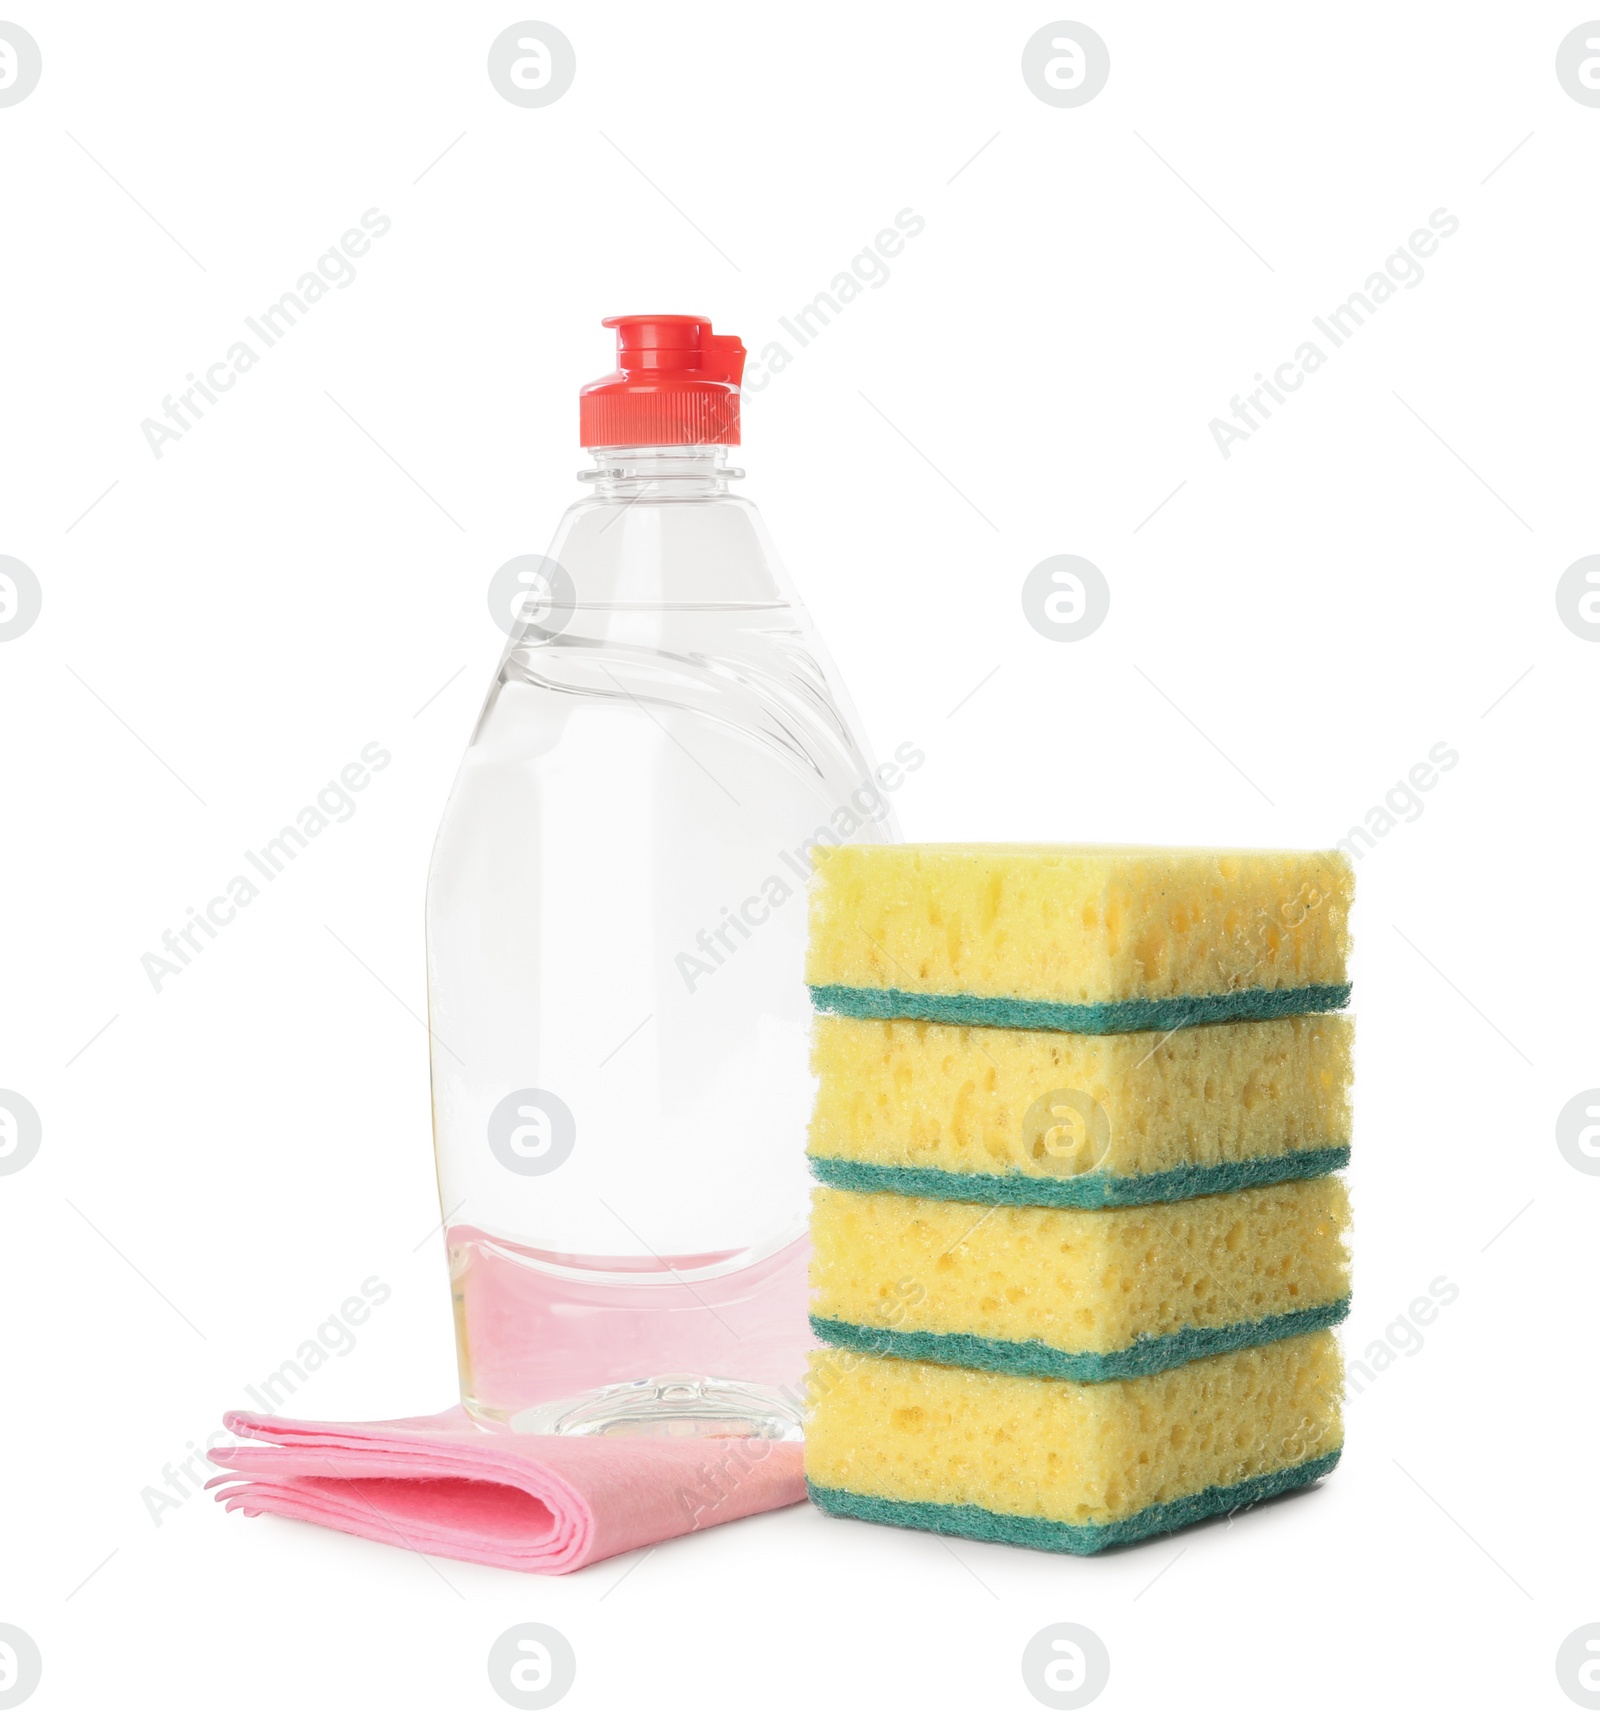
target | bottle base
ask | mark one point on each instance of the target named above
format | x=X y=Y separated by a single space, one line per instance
x=685 y=1406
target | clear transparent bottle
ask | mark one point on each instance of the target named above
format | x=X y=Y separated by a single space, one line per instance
x=616 y=932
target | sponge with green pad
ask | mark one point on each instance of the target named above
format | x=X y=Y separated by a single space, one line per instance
x=1089 y=940
x=1077 y=1120
x=1089 y=1295
x=1069 y=1467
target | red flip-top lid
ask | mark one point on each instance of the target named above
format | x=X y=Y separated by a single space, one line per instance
x=676 y=383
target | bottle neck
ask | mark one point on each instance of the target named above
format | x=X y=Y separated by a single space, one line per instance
x=660 y=471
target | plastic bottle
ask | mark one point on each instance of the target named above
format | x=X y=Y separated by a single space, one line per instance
x=616 y=930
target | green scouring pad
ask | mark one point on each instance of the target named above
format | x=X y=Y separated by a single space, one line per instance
x=971 y=1522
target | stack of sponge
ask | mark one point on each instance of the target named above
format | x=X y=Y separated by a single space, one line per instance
x=1079 y=1243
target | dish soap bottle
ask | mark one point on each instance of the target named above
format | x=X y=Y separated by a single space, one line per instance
x=616 y=932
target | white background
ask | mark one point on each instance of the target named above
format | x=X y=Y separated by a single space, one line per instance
x=1288 y=634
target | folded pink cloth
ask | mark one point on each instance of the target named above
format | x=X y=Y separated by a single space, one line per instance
x=548 y=1504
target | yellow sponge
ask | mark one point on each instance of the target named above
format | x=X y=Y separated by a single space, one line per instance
x=1069 y=1466
x=1088 y=939
x=1082 y=1294
x=1078 y=1120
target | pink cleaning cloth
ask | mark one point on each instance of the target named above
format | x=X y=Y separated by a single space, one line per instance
x=548 y=1504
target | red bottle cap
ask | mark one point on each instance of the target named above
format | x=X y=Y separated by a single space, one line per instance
x=676 y=383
